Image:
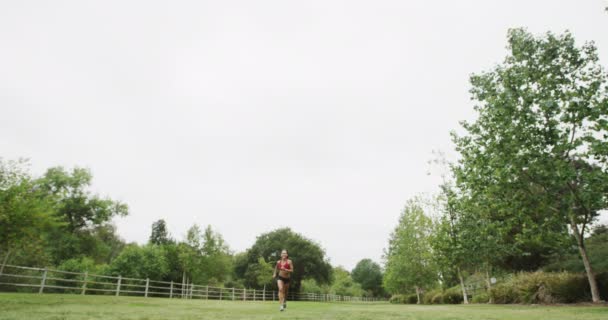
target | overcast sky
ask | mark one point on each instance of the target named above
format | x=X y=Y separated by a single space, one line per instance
x=253 y=115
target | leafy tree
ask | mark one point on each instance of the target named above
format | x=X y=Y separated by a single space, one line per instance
x=369 y=275
x=409 y=258
x=160 y=234
x=78 y=210
x=205 y=257
x=26 y=214
x=449 y=251
x=344 y=285
x=308 y=257
x=538 y=151
x=260 y=273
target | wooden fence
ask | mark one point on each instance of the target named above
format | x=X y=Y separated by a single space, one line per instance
x=41 y=280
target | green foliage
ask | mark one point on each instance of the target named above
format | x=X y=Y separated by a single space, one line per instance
x=308 y=257
x=26 y=214
x=75 y=204
x=404 y=299
x=535 y=161
x=481 y=297
x=344 y=285
x=541 y=287
x=205 y=257
x=260 y=273
x=597 y=247
x=160 y=234
x=141 y=262
x=369 y=275
x=396 y=298
x=84 y=264
x=82 y=215
x=409 y=258
x=311 y=286
x=439 y=296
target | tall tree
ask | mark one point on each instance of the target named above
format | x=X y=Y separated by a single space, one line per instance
x=538 y=150
x=447 y=242
x=26 y=213
x=160 y=234
x=204 y=256
x=369 y=275
x=409 y=258
x=78 y=209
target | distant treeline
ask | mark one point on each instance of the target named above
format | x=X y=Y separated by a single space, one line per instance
x=55 y=221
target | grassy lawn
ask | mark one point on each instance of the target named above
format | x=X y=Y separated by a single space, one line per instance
x=64 y=306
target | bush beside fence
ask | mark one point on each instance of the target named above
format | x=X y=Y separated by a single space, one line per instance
x=523 y=288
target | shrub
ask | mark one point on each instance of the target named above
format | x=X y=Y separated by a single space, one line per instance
x=404 y=298
x=412 y=298
x=602 y=283
x=542 y=287
x=453 y=296
x=449 y=296
x=503 y=293
x=481 y=298
x=432 y=297
x=397 y=298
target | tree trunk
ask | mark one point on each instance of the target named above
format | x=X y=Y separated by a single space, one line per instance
x=464 y=289
x=418 y=295
x=580 y=241
x=489 y=284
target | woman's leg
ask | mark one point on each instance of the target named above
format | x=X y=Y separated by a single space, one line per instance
x=281 y=296
x=285 y=291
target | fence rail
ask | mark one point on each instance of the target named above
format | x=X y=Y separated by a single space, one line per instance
x=57 y=281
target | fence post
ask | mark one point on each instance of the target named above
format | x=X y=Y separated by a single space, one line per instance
x=4 y=261
x=118 y=285
x=264 y=294
x=43 y=282
x=147 y=285
x=244 y=294
x=84 y=285
x=253 y=294
x=273 y=295
x=221 y=293
x=207 y=292
x=232 y=294
x=191 y=290
x=183 y=283
x=171 y=290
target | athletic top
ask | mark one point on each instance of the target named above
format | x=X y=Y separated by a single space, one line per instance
x=283 y=265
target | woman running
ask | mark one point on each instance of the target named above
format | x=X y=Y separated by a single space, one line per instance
x=284 y=268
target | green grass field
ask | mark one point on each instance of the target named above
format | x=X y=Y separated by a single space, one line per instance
x=64 y=306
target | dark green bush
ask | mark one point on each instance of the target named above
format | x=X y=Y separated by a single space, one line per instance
x=602 y=283
x=542 y=287
x=453 y=296
x=481 y=298
x=432 y=297
x=397 y=298
x=412 y=298
x=449 y=296
x=404 y=299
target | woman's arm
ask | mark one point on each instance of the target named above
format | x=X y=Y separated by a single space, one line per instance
x=274 y=273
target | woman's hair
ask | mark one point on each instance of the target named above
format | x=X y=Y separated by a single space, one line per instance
x=285 y=252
